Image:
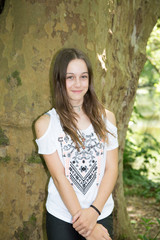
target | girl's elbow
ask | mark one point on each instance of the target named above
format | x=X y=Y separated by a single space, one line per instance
x=59 y=180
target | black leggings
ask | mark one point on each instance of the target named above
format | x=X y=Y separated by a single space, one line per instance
x=60 y=230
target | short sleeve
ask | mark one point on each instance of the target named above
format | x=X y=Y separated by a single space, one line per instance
x=46 y=143
x=112 y=136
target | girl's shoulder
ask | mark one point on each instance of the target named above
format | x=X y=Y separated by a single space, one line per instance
x=43 y=122
x=110 y=116
x=41 y=125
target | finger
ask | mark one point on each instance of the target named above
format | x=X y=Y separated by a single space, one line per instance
x=78 y=225
x=104 y=229
x=84 y=233
x=107 y=237
x=79 y=228
x=76 y=216
x=88 y=233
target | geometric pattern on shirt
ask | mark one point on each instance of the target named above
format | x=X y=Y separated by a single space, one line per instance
x=82 y=168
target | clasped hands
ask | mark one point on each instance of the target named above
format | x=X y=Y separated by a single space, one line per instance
x=85 y=223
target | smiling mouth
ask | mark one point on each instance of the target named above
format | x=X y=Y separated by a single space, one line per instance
x=77 y=91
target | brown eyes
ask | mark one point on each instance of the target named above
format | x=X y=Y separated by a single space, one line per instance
x=73 y=77
x=85 y=76
x=70 y=77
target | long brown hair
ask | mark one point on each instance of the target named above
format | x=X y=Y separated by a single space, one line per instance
x=91 y=106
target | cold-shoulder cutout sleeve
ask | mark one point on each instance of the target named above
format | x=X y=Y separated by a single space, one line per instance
x=112 y=135
x=46 y=143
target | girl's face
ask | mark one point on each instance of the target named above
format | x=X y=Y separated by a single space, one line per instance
x=77 y=81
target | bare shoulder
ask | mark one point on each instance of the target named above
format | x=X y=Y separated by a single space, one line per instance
x=111 y=117
x=41 y=125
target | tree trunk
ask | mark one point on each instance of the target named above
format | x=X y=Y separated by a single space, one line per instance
x=132 y=24
x=114 y=35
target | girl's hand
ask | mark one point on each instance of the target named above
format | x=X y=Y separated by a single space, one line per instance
x=99 y=233
x=84 y=221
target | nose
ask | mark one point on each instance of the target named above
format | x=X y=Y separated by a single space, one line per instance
x=77 y=82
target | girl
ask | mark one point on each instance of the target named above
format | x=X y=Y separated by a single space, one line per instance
x=78 y=140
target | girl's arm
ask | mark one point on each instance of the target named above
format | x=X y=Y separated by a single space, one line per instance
x=85 y=217
x=111 y=173
x=57 y=172
x=99 y=233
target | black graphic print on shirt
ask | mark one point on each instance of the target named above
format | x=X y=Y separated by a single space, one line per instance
x=82 y=168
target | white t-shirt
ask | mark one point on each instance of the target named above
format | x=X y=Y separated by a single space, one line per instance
x=84 y=169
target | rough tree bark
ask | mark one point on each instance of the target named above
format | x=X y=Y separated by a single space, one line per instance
x=114 y=34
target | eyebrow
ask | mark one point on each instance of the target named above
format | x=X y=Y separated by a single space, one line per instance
x=81 y=73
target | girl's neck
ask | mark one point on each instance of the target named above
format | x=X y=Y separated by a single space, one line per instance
x=77 y=108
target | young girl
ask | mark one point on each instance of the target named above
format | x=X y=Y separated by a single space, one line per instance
x=78 y=140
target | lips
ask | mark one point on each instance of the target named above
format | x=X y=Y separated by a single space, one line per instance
x=77 y=91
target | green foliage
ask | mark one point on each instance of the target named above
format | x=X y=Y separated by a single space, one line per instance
x=150 y=75
x=137 y=184
x=4 y=141
x=148 y=223
x=153 y=46
x=142 y=149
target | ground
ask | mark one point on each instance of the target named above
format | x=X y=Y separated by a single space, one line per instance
x=147 y=208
